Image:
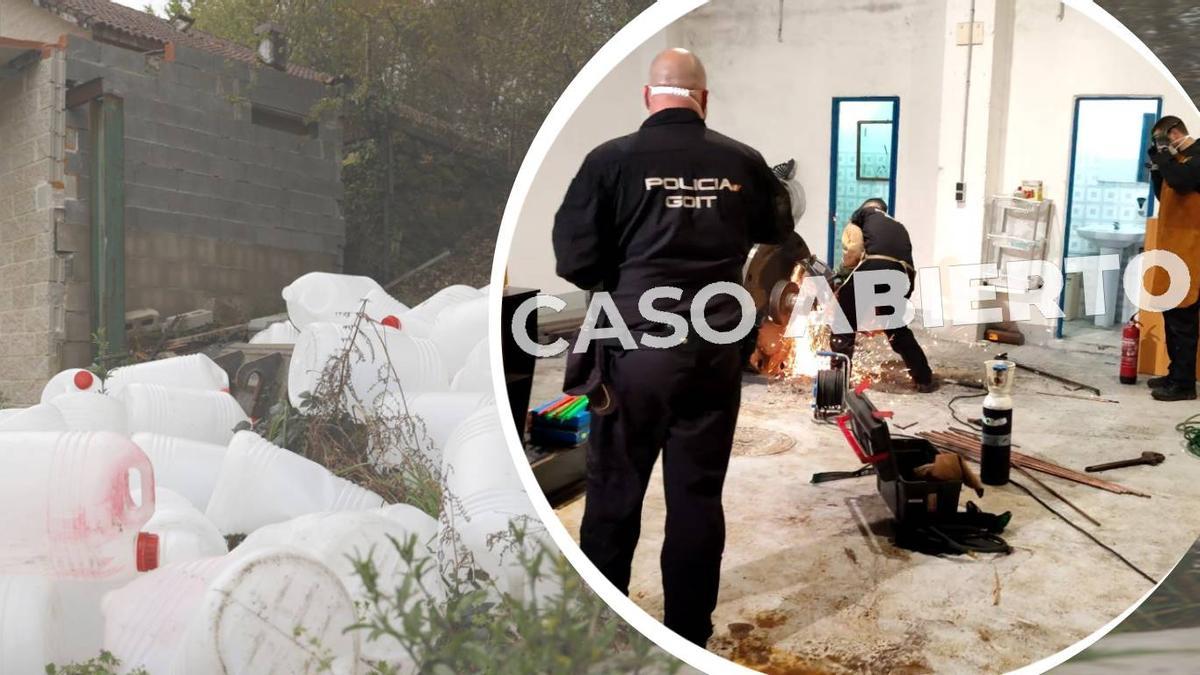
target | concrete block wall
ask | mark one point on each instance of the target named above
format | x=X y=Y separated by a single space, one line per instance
x=218 y=210
x=30 y=273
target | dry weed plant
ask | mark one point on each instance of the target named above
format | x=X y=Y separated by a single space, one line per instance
x=465 y=623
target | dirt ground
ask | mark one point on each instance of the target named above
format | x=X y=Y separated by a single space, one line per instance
x=812 y=584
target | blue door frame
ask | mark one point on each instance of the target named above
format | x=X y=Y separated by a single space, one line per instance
x=833 y=155
x=1062 y=296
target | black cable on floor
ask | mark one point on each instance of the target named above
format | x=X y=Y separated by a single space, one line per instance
x=954 y=413
x=1087 y=534
x=970 y=539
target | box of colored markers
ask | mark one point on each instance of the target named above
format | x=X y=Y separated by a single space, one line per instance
x=565 y=421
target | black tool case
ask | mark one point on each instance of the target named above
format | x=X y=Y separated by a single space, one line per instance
x=912 y=500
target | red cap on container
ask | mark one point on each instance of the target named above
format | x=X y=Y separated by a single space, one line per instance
x=84 y=380
x=391 y=321
x=147 y=551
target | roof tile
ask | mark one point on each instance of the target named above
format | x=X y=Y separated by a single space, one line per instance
x=146 y=26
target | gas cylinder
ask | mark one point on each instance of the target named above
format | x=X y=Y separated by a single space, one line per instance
x=996 y=434
x=1130 y=340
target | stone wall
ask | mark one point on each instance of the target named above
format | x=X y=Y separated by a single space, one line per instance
x=223 y=208
x=30 y=273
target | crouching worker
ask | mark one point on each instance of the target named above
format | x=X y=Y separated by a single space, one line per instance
x=874 y=241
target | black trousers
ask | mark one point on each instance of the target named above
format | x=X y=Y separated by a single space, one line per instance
x=683 y=401
x=902 y=340
x=1182 y=335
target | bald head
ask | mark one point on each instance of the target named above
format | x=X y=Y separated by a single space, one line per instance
x=682 y=69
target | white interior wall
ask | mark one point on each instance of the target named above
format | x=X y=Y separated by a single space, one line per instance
x=772 y=85
x=1054 y=62
x=774 y=94
x=614 y=108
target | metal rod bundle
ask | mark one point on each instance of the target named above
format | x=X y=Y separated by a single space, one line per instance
x=966 y=444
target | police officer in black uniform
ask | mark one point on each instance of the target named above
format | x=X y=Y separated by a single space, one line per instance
x=674 y=204
x=873 y=240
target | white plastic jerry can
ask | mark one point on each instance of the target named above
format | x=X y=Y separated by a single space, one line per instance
x=70 y=506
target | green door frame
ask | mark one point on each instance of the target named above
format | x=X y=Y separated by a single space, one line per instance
x=108 y=224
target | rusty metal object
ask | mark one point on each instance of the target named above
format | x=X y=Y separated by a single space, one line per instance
x=773 y=351
x=783 y=300
x=230 y=362
x=770 y=275
x=967 y=445
x=1147 y=458
x=769 y=264
x=257 y=384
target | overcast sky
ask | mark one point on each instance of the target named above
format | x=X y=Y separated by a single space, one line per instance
x=141 y=4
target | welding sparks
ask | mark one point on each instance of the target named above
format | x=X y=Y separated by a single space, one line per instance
x=811 y=339
x=797 y=357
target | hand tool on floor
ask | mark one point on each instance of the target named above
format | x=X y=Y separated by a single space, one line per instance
x=1147 y=458
x=825 y=477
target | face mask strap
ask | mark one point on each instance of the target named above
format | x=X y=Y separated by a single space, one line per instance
x=666 y=90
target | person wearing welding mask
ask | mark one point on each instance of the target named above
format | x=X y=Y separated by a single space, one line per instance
x=1175 y=172
x=873 y=240
x=673 y=205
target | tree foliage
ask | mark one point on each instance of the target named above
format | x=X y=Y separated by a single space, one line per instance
x=492 y=68
x=1168 y=27
x=485 y=72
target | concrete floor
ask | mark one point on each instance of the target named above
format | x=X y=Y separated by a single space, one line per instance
x=810 y=582
x=1085 y=332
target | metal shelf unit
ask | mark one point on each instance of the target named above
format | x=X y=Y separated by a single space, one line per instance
x=1016 y=231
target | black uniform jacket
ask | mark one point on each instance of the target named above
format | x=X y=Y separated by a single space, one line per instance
x=673 y=204
x=883 y=235
x=1183 y=177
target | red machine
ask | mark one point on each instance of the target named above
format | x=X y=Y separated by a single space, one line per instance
x=1130 y=340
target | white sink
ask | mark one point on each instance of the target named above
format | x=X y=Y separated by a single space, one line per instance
x=1110 y=238
x=1113 y=242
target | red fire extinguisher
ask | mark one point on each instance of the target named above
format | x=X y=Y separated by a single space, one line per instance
x=1131 y=338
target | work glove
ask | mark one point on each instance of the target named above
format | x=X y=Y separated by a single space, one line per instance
x=839 y=279
x=1157 y=156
